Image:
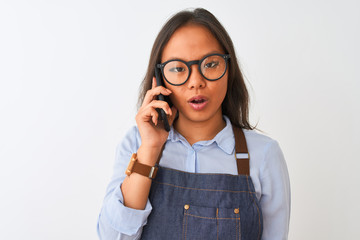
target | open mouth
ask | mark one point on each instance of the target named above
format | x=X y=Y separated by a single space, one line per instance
x=198 y=102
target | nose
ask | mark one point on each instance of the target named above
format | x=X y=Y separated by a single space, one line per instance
x=196 y=80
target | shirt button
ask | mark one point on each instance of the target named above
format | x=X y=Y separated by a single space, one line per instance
x=186 y=207
x=236 y=210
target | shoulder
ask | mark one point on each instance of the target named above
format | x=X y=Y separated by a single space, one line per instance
x=263 y=149
x=259 y=140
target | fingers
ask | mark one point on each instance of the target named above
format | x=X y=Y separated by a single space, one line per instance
x=149 y=112
x=147 y=115
x=152 y=93
x=161 y=104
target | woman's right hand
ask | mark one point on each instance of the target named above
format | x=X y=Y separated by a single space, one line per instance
x=152 y=132
x=136 y=187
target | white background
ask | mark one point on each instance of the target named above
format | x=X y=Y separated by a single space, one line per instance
x=69 y=77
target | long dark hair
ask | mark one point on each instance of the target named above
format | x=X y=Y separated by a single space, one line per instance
x=236 y=102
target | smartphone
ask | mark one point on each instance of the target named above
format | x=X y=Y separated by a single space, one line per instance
x=162 y=114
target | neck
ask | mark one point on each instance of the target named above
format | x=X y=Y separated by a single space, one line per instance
x=199 y=130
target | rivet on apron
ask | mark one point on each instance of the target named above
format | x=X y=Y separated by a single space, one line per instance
x=186 y=206
x=236 y=210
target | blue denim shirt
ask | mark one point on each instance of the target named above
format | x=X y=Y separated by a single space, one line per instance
x=268 y=172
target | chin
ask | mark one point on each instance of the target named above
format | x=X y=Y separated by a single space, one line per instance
x=202 y=116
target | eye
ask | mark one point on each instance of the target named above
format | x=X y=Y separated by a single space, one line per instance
x=177 y=69
x=212 y=64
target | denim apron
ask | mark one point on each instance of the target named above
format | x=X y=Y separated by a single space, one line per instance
x=205 y=206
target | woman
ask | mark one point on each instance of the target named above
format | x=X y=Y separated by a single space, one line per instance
x=212 y=176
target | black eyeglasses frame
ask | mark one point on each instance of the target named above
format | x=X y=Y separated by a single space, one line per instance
x=190 y=63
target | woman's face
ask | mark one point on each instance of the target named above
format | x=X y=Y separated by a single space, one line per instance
x=198 y=100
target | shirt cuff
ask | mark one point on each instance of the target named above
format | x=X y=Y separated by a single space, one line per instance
x=123 y=219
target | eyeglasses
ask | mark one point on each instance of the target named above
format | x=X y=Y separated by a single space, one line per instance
x=212 y=67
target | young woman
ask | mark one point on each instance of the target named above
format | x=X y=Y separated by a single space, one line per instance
x=212 y=176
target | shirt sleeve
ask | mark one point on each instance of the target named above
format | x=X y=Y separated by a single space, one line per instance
x=275 y=197
x=115 y=220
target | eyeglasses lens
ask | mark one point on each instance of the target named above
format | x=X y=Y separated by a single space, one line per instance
x=176 y=72
x=213 y=67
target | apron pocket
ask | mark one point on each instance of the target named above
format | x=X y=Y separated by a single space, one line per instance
x=211 y=223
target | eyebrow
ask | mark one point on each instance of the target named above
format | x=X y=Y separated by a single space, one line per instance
x=178 y=58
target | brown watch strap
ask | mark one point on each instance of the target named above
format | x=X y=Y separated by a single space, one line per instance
x=142 y=169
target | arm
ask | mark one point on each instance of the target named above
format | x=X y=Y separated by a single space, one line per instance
x=126 y=205
x=136 y=187
x=275 y=197
x=116 y=221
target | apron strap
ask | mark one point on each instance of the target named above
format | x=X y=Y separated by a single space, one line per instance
x=241 y=152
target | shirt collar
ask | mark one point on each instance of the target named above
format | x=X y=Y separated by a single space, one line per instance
x=224 y=139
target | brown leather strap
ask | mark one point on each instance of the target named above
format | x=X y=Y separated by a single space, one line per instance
x=241 y=152
x=142 y=169
x=145 y=170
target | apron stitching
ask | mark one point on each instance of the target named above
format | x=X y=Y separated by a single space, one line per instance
x=217 y=223
x=187 y=220
x=185 y=224
x=259 y=220
x=210 y=218
x=255 y=206
x=200 y=189
x=239 y=227
x=236 y=230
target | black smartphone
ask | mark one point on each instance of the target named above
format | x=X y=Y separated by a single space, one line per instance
x=162 y=114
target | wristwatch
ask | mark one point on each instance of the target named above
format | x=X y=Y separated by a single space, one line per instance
x=142 y=169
